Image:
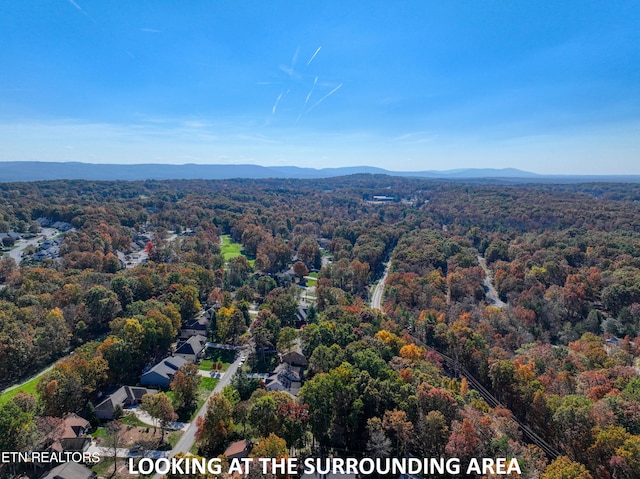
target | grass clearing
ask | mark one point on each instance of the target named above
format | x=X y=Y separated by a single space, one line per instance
x=205 y=364
x=227 y=356
x=231 y=249
x=173 y=438
x=208 y=384
x=28 y=387
x=132 y=420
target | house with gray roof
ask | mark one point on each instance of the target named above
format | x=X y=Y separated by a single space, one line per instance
x=162 y=373
x=70 y=470
x=192 y=349
x=125 y=396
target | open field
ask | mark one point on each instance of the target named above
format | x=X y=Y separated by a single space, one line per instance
x=230 y=249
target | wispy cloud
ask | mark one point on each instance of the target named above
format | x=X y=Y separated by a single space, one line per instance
x=314 y=55
x=290 y=72
x=150 y=30
x=82 y=10
x=275 y=105
x=324 y=97
x=76 y=5
x=294 y=60
x=306 y=100
x=416 y=137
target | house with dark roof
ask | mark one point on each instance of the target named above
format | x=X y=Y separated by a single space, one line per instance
x=70 y=470
x=125 y=396
x=192 y=349
x=62 y=226
x=295 y=359
x=162 y=373
x=197 y=326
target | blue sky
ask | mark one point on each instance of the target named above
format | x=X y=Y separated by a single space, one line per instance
x=545 y=86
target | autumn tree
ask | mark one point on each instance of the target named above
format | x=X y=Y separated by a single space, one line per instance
x=215 y=426
x=159 y=407
x=464 y=440
x=270 y=446
x=300 y=269
x=185 y=385
x=565 y=468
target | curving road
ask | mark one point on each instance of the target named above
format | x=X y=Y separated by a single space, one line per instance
x=378 y=289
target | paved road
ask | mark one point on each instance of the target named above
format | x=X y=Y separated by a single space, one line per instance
x=492 y=294
x=189 y=437
x=21 y=245
x=378 y=289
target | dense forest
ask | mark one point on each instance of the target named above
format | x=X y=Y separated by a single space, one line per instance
x=557 y=345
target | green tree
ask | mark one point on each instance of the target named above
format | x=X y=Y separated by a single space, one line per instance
x=17 y=426
x=102 y=304
x=287 y=339
x=186 y=299
x=262 y=415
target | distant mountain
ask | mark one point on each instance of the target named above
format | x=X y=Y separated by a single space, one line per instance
x=38 y=171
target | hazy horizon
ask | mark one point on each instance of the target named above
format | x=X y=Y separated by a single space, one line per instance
x=420 y=85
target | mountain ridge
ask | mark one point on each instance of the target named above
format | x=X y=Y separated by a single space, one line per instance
x=13 y=171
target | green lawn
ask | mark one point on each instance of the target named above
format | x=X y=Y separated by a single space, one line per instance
x=132 y=420
x=208 y=384
x=231 y=249
x=215 y=355
x=205 y=365
x=28 y=387
x=174 y=437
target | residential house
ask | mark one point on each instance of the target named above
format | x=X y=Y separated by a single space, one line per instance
x=284 y=378
x=295 y=359
x=192 y=349
x=62 y=226
x=238 y=449
x=125 y=396
x=162 y=373
x=289 y=374
x=198 y=326
x=70 y=470
x=67 y=434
